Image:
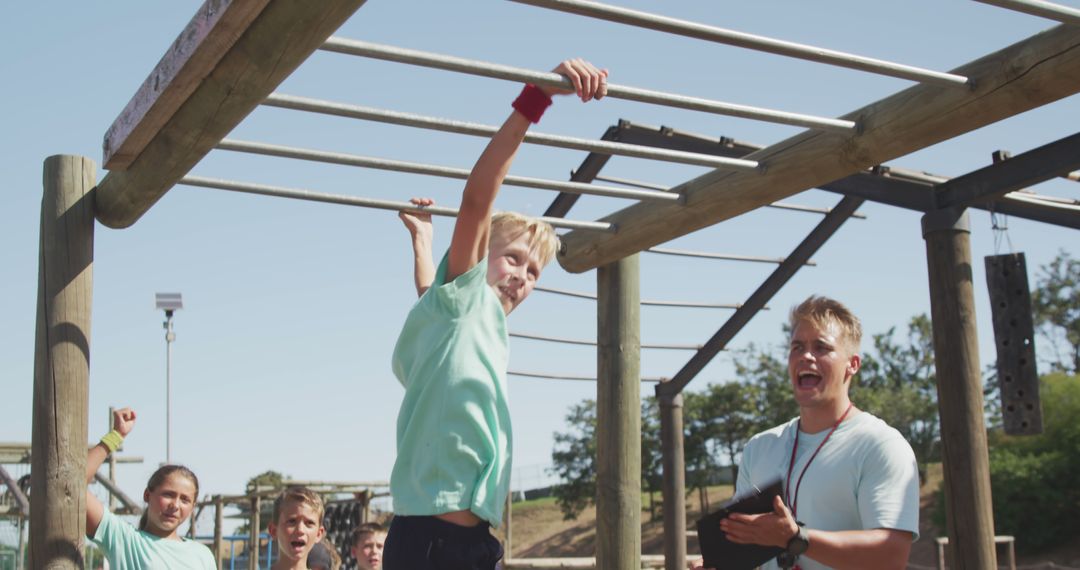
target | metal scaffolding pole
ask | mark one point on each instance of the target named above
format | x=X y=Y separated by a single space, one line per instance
x=724 y=256
x=571 y=376
x=777 y=205
x=435 y=170
x=485 y=69
x=487 y=131
x=684 y=304
x=1049 y=10
x=298 y=194
x=749 y=41
x=593 y=343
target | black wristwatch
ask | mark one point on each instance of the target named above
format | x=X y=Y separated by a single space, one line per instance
x=800 y=542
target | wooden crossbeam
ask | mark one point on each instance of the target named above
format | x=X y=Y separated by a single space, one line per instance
x=1026 y=75
x=206 y=39
x=275 y=42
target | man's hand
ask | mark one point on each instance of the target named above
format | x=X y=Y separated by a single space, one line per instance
x=770 y=529
x=124 y=420
x=589 y=81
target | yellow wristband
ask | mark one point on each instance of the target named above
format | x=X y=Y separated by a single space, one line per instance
x=112 y=441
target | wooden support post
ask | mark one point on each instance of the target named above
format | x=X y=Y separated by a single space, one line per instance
x=253 y=553
x=618 y=416
x=960 y=402
x=62 y=364
x=219 y=520
x=674 y=486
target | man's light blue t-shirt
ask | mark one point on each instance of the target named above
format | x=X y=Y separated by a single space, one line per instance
x=128 y=548
x=453 y=429
x=865 y=477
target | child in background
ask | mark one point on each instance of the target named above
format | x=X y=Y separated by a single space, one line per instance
x=170 y=496
x=367 y=546
x=454 y=441
x=324 y=556
x=296 y=527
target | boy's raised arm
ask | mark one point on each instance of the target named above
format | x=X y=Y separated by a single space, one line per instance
x=469 y=243
x=420 y=230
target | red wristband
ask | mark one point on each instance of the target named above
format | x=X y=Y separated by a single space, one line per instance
x=532 y=103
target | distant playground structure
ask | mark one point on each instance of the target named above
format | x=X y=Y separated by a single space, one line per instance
x=233 y=55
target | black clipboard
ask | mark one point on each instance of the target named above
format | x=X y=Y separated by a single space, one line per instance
x=719 y=552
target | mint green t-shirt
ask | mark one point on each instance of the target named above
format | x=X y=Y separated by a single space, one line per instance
x=453 y=429
x=128 y=548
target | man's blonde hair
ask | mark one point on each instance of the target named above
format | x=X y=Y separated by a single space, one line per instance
x=821 y=311
x=301 y=495
x=542 y=238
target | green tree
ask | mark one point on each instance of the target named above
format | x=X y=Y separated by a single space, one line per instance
x=898 y=384
x=574 y=455
x=574 y=459
x=774 y=402
x=652 y=469
x=1033 y=478
x=732 y=418
x=700 y=464
x=263 y=481
x=1056 y=309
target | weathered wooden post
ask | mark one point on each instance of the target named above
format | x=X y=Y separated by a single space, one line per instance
x=960 y=401
x=62 y=364
x=674 y=486
x=219 y=520
x=618 y=416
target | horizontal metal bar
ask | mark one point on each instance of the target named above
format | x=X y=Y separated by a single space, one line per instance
x=725 y=256
x=777 y=205
x=484 y=69
x=434 y=170
x=299 y=194
x=572 y=377
x=643 y=302
x=476 y=129
x=593 y=342
x=750 y=41
x=1064 y=14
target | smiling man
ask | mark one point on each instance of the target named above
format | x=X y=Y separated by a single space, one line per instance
x=851 y=485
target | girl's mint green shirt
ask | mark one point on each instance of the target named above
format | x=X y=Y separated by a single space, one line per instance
x=128 y=548
x=453 y=429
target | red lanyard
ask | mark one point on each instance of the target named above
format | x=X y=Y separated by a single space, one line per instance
x=798 y=427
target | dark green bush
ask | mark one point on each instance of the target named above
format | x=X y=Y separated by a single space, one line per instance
x=1035 y=479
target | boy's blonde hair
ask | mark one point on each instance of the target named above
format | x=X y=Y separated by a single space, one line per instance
x=301 y=495
x=365 y=529
x=820 y=311
x=542 y=237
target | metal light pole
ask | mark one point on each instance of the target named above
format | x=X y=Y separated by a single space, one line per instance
x=169 y=302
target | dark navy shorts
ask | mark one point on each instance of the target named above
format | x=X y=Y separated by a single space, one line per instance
x=429 y=543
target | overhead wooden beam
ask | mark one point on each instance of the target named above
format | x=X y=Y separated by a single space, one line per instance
x=1026 y=75
x=275 y=42
x=1058 y=158
x=885 y=185
x=208 y=36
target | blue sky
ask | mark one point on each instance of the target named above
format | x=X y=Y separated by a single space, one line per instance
x=282 y=352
